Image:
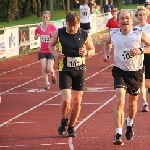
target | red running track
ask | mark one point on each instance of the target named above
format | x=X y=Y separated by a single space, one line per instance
x=29 y=116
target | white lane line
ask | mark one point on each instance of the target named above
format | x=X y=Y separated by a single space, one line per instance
x=43 y=101
x=85 y=119
x=19 y=68
x=25 y=112
x=28 y=81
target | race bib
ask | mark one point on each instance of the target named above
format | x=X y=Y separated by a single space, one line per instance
x=45 y=38
x=124 y=54
x=84 y=14
x=74 y=61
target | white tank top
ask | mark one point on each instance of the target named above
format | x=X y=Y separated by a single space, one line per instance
x=84 y=14
x=146 y=28
x=122 y=45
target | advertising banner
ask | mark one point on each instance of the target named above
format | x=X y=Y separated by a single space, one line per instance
x=12 y=38
x=33 y=43
x=24 y=43
x=2 y=46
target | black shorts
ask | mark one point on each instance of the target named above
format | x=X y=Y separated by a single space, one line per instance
x=72 y=79
x=85 y=26
x=130 y=80
x=45 y=55
x=147 y=65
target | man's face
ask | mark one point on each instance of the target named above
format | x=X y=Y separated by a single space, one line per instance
x=125 y=20
x=72 y=27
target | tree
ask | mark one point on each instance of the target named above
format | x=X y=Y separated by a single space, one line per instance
x=38 y=8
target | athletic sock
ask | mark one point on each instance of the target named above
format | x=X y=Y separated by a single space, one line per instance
x=129 y=121
x=119 y=130
x=145 y=104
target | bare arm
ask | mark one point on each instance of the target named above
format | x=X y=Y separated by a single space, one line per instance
x=53 y=42
x=144 y=39
x=106 y=49
x=88 y=49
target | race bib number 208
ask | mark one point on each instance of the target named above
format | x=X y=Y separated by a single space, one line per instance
x=124 y=54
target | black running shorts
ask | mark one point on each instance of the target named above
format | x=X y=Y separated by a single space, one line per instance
x=45 y=55
x=85 y=26
x=130 y=80
x=147 y=65
x=72 y=80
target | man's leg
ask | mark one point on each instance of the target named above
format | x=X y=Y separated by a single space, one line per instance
x=76 y=107
x=119 y=114
x=65 y=108
x=132 y=110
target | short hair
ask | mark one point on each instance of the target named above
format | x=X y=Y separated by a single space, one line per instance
x=114 y=10
x=73 y=17
x=141 y=8
x=126 y=11
x=47 y=12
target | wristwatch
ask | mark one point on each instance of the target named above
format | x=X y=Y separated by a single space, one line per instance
x=141 y=49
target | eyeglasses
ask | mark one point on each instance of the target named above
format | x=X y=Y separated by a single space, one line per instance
x=147 y=4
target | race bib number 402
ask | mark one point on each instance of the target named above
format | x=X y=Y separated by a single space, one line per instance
x=124 y=54
x=74 y=61
x=45 y=38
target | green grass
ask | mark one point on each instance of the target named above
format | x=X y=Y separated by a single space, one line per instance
x=131 y=6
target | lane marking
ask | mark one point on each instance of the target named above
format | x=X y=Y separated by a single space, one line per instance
x=19 y=68
x=32 y=79
x=25 y=112
x=85 y=119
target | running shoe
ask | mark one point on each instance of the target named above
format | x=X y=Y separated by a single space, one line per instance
x=47 y=86
x=145 y=108
x=53 y=79
x=118 y=140
x=129 y=131
x=62 y=127
x=149 y=90
x=71 y=132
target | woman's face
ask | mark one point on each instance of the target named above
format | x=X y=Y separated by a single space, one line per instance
x=147 y=5
x=142 y=16
x=45 y=18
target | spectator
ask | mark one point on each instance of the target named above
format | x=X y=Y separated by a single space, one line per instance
x=106 y=7
x=91 y=6
x=111 y=5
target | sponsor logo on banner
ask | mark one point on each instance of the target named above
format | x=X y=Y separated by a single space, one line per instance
x=2 y=46
x=24 y=43
x=33 y=43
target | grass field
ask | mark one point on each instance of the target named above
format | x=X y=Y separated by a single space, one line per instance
x=57 y=15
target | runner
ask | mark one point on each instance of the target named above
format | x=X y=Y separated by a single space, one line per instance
x=45 y=31
x=85 y=16
x=76 y=44
x=127 y=70
x=141 y=14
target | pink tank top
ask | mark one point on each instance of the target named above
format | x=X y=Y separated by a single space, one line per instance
x=45 y=37
x=148 y=20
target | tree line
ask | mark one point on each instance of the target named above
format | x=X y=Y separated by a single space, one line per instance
x=16 y=9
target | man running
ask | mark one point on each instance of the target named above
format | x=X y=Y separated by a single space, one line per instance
x=76 y=44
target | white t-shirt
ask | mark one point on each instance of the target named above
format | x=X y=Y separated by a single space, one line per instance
x=122 y=45
x=84 y=14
